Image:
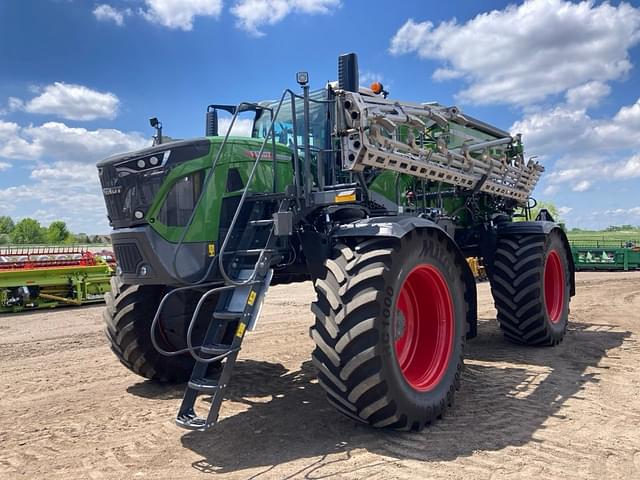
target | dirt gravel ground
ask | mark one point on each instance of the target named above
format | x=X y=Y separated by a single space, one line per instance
x=70 y=410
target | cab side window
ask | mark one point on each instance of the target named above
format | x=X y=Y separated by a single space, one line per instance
x=181 y=200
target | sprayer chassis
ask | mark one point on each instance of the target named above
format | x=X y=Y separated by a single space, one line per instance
x=378 y=205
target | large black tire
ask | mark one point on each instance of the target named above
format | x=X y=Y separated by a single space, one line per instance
x=531 y=284
x=358 y=330
x=128 y=315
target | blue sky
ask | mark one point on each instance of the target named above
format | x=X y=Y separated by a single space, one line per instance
x=79 y=80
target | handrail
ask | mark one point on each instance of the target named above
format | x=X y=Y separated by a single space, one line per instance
x=192 y=350
x=243 y=197
x=154 y=323
x=214 y=164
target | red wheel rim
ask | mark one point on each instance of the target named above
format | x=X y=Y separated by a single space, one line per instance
x=554 y=286
x=424 y=316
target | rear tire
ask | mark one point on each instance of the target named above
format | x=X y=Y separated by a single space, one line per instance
x=531 y=288
x=128 y=315
x=372 y=361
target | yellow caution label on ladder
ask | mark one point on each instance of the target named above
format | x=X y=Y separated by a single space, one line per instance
x=240 y=330
x=252 y=298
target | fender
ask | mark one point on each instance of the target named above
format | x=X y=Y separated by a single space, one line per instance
x=542 y=228
x=398 y=227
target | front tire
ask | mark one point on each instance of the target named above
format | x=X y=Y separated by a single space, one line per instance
x=390 y=329
x=128 y=315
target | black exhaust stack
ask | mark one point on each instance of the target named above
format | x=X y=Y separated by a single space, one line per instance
x=348 y=76
x=211 y=123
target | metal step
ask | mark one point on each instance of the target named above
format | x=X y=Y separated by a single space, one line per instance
x=191 y=421
x=227 y=315
x=207 y=385
x=217 y=349
x=260 y=223
x=251 y=251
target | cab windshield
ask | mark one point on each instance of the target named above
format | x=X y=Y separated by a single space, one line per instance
x=283 y=127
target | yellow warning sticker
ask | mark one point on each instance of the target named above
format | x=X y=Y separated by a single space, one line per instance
x=212 y=249
x=240 y=330
x=349 y=196
x=252 y=298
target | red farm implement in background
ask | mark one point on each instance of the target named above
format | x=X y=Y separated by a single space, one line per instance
x=45 y=277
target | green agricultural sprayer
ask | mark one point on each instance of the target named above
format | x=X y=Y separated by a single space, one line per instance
x=376 y=201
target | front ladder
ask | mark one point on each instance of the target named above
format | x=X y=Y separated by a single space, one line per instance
x=251 y=246
x=248 y=277
x=238 y=310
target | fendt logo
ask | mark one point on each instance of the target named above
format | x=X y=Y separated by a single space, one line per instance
x=112 y=190
x=265 y=155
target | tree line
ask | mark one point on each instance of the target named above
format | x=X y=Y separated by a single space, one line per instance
x=29 y=231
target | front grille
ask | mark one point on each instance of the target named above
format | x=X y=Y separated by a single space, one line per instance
x=128 y=257
x=124 y=194
x=113 y=193
x=114 y=207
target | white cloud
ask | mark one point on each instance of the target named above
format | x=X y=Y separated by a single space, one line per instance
x=57 y=140
x=586 y=150
x=564 y=210
x=587 y=95
x=442 y=74
x=19 y=148
x=66 y=172
x=526 y=53
x=180 y=14
x=241 y=128
x=629 y=114
x=15 y=104
x=616 y=211
x=12 y=145
x=623 y=211
x=8 y=130
x=581 y=186
x=42 y=199
x=567 y=129
x=69 y=101
x=629 y=168
x=4 y=166
x=580 y=173
x=107 y=13
x=252 y=14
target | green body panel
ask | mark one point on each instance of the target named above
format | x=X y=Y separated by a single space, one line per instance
x=394 y=186
x=77 y=284
x=388 y=185
x=239 y=153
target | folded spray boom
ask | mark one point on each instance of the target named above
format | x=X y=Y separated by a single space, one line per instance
x=433 y=142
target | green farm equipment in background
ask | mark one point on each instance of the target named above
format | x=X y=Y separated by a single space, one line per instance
x=606 y=254
x=47 y=277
